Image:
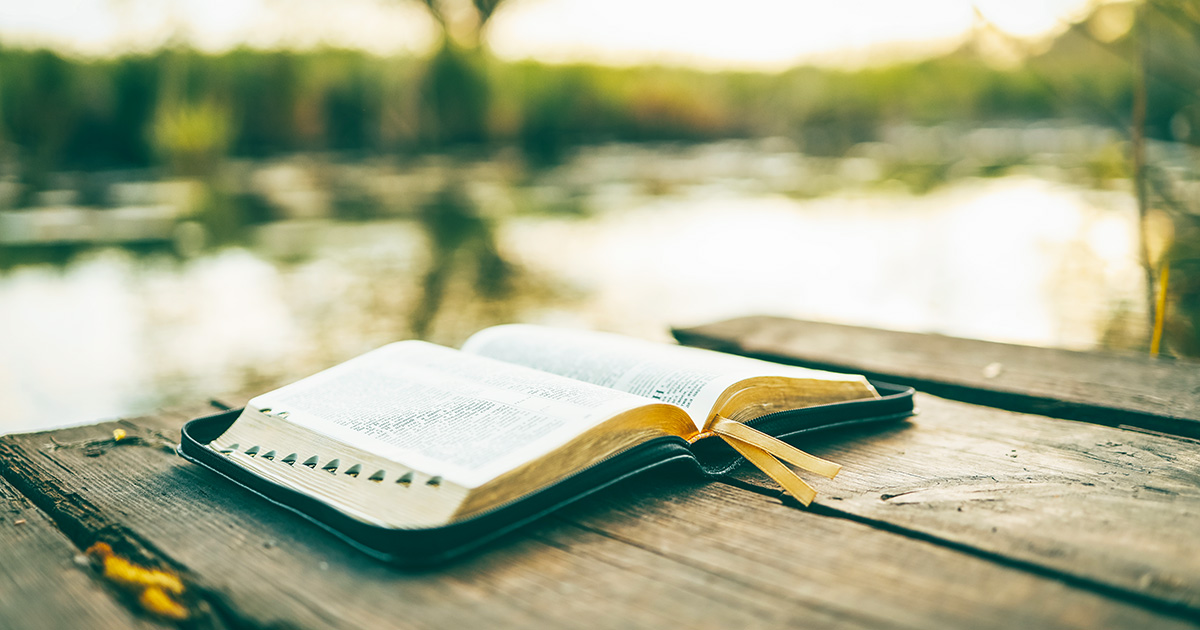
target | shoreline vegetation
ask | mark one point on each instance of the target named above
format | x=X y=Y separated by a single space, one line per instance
x=178 y=108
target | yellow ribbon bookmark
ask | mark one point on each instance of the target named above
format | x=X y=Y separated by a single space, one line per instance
x=765 y=452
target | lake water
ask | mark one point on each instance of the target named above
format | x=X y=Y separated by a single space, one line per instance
x=1020 y=258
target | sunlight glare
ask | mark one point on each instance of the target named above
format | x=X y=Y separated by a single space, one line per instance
x=765 y=35
x=1032 y=18
x=754 y=34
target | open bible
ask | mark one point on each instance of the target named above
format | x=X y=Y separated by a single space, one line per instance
x=416 y=451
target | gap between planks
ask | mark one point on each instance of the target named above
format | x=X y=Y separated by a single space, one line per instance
x=1093 y=503
x=1175 y=609
x=45 y=581
x=83 y=525
x=1157 y=604
x=1136 y=599
x=1159 y=395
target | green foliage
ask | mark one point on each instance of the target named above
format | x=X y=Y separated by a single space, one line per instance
x=141 y=110
x=456 y=96
x=192 y=137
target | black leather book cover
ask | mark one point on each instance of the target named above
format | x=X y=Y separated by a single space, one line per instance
x=427 y=546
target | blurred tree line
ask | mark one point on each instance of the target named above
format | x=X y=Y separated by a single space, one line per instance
x=58 y=112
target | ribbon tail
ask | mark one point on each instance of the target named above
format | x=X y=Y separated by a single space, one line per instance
x=778 y=448
x=776 y=470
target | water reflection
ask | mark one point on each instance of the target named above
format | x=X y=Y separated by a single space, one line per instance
x=1019 y=258
x=1016 y=259
x=458 y=237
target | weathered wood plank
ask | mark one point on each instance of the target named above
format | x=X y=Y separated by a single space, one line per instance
x=42 y=584
x=1104 y=505
x=1157 y=394
x=260 y=565
x=876 y=579
x=680 y=553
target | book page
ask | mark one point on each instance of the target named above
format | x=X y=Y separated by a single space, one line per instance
x=444 y=412
x=691 y=378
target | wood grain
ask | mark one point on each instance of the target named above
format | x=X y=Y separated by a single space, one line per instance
x=803 y=560
x=1115 y=508
x=41 y=583
x=1157 y=394
x=670 y=552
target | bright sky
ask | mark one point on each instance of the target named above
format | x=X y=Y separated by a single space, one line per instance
x=749 y=34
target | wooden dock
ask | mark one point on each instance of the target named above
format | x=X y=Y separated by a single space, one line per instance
x=1037 y=488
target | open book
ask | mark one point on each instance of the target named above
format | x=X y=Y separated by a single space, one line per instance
x=416 y=451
